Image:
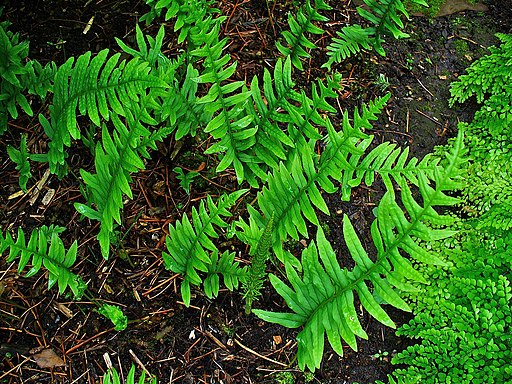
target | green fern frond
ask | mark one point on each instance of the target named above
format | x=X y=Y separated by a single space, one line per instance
x=226 y=100
x=112 y=377
x=189 y=14
x=300 y=24
x=20 y=157
x=115 y=158
x=278 y=105
x=96 y=87
x=489 y=75
x=45 y=249
x=293 y=190
x=350 y=41
x=389 y=163
x=189 y=242
x=322 y=299
x=226 y=267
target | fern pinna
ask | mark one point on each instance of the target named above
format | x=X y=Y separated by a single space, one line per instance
x=322 y=297
x=191 y=249
x=45 y=249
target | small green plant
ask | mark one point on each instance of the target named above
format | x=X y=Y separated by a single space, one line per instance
x=112 y=377
x=115 y=315
x=185 y=179
x=45 y=249
x=385 y=17
x=20 y=157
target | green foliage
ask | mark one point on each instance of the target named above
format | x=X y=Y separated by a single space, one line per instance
x=20 y=157
x=189 y=14
x=293 y=191
x=12 y=54
x=115 y=315
x=189 y=244
x=99 y=88
x=114 y=159
x=296 y=41
x=185 y=179
x=385 y=16
x=112 y=377
x=463 y=317
x=45 y=249
x=226 y=267
x=256 y=275
x=325 y=290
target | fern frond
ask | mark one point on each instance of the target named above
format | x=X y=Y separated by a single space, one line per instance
x=293 y=190
x=96 y=87
x=189 y=242
x=390 y=163
x=350 y=41
x=45 y=249
x=322 y=299
x=226 y=101
x=115 y=158
x=296 y=41
x=189 y=14
x=278 y=105
x=489 y=75
x=226 y=267
x=20 y=157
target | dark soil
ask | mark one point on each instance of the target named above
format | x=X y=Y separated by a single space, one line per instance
x=212 y=341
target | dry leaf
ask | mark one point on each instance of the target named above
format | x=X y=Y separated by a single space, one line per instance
x=47 y=358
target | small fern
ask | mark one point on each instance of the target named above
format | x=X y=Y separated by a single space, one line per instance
x=21 y=157
x=190 y=242
x=45 y=249
x=322 y=300
x=226 y=267
x=385 y=17
x=114 y=159
x=296 y=41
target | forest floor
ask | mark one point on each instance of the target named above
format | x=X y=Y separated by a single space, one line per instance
x=211 y=341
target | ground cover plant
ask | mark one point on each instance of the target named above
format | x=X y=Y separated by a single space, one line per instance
x=283 y=150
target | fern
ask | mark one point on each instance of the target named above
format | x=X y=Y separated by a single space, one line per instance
x=223 y=101
x=189 y=243
x=97 y=87
x=302 y=23
x=293 y=190
x=322 y=300
x=226 y=267
x=189 y=14
x=256 y=275
x=385 y=17
x=45 y=248
x=278 y=105
x=350 y=41
x=20 y=157
x=115 y=158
